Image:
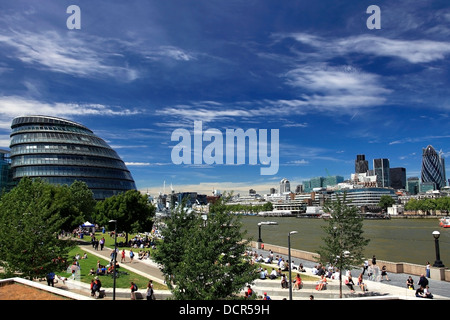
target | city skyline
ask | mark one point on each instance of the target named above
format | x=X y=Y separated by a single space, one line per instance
x=136 y=72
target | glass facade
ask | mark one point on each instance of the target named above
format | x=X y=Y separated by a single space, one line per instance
x=369 y=197
x=381 y=169
x=61 y=151
x=433 y=167
x=5 y=172
x=321 y=182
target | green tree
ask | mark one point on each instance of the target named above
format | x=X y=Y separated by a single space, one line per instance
x=131 y=209
x=386 y=202
x=83 y=202
x=203 y=259
x=268 y=206
x=30 y=222
x=343 y=244
x=412 y=205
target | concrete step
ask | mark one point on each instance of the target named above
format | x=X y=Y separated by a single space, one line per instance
x=332 y=291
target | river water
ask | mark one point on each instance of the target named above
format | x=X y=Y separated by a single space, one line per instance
x=395 y=240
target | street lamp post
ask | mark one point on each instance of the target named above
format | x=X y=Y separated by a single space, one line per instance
x=115 y=258
x=438 y=263
x=290 y=263
x=265 y=223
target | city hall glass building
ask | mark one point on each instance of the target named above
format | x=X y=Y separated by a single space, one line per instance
x=61 y=151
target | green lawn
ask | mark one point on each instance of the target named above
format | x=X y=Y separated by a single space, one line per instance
x=123 y=281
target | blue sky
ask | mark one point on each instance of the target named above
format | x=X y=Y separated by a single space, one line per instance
x=138 y=70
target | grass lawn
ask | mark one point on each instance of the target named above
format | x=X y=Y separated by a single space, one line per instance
x=123 y=281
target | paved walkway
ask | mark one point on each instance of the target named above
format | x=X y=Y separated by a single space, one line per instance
x=146 y=268
x=395 y=287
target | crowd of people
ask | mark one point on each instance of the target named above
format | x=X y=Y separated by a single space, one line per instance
x=423 y=290
x=283 y=265
x=370 y=270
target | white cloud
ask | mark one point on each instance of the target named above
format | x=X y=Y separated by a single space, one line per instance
x=336 y=87
x=192 y=113
x=82 y=57
x=413 y=51
x=171 y=52
x=13 y=106
x=418 y=139
x=138 y=164
x=298 y=162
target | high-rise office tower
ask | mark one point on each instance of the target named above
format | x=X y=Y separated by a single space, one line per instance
x=398 y=178
x=433 y=167
x=285 y=186
x=413 y=185
x=361 y=164
x=381 y=170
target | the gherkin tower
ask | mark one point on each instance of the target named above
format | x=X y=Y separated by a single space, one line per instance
x=433 y=167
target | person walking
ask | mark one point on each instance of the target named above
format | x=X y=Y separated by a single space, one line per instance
x=150 y=292
x=428 y=269
x=51 y=279
x=365 y=266
x=96 y=286
x=122 y=259
x=384 y=273
x=423 y=281
x=133 y=289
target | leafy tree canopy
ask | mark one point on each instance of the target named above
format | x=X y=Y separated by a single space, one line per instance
x=130 y=209
x=31 y=216
x=203 y=259
x=343 y=244
x=386 y=201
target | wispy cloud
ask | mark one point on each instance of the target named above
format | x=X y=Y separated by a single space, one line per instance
x=12 y=106
x=170 y=52
x=86 y=56
x=64 y=53
x=301 y=162
x=413 y=51
x=336 y=87
x=419 y=139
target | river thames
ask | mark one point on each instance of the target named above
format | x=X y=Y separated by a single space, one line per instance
x=395 y=240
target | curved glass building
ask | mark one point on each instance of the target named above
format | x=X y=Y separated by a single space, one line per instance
x=61 y=151
x=433 y=167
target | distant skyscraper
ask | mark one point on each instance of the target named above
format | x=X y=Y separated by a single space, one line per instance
x=361 y=164
x=413 y=185
x=5 y=171
x=381 y=169
x=285 y=186
x=433 y=167
x=398 y=178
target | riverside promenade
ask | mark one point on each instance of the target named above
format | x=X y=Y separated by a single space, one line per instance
x=395 y=289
